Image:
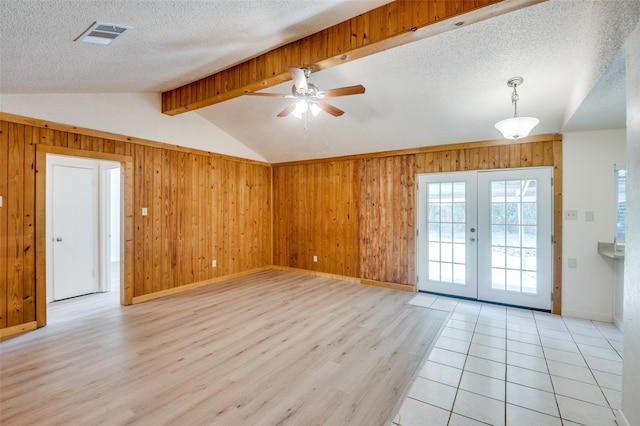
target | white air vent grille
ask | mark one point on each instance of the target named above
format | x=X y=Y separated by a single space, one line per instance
x=101 y=33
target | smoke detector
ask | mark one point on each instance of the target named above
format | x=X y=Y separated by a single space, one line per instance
x=102 y=33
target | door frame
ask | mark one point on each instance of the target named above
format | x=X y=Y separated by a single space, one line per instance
x=126 y=224
x=421 y=217
x=106 y=199
x=534 y=151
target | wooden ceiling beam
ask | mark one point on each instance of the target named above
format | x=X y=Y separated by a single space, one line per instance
x=386 y=27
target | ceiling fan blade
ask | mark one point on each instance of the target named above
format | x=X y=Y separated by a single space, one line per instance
x=341 y=91
x=336 y=112
x=299 y=80
x=273 y=95
x=288 y=110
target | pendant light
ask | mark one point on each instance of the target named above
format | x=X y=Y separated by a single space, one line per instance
x=516 y=127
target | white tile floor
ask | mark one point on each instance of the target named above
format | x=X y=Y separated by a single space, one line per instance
x=506 y=366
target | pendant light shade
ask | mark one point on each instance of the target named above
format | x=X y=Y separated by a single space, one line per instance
x=516 y=127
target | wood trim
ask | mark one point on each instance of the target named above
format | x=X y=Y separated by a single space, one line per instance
x=181 y=289
x=5 y=333
x=126 y=166
x=36 y=122
x=317 y=273
x=388 y=26
x=126 y=242
x=394 y=286
x=557 y=226
x=427 y=149
x=94 y=155
x=41 y=235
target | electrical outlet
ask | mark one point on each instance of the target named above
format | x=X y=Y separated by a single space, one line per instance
x=315 y=259
x=571 y=214
x=573 y=262
x=214 y=263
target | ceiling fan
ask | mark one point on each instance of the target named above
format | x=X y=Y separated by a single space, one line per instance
x=309 y=97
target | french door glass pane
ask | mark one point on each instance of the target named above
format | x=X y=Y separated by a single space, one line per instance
x=447 y=231
x=514 y=235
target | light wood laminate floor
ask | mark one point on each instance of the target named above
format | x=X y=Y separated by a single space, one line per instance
x=272 y=348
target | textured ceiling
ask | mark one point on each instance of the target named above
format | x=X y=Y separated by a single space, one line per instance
x=445 y=89
x=171 y=42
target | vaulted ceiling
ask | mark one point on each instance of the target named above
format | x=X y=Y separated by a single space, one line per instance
x=446 y=88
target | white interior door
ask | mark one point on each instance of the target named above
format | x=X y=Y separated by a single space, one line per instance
x=515 y=237
x=487 y=235
x=447 y=233
x=74 y=230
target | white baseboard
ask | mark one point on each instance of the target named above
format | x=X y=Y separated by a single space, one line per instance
x=618 y=323
x=621 y=420
x=587 y=315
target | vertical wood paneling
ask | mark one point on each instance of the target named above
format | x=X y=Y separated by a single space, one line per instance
x=138 y=241
x=379 y=194
x=157 y=225
x=29 y=204
x=15 y=240
x=200 y=208
x=4 y=219
x=314 y=216
x=387 y=219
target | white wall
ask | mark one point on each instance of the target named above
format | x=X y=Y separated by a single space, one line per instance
x=631 y=367
x=588 y=186
x=131 y=114
x=114 y=214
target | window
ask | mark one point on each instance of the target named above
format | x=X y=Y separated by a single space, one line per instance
x=621 y=204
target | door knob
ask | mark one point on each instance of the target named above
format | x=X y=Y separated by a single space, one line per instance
x=58 y=239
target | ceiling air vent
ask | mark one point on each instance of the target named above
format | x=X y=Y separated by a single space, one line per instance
x=101 y=33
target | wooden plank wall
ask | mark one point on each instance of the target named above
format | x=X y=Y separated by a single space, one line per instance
x=387 y=219
x=382 y=193
x=201 y=207
x=317 y=216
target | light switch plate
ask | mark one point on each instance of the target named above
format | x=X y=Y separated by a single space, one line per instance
x=144 y=211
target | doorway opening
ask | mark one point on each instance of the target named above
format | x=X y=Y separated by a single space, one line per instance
x=84 y=227
x=487 y=235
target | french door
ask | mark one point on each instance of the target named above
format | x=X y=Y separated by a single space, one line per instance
x=487 y=235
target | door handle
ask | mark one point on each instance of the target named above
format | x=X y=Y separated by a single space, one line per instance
x=473 y=236
x=58 y=239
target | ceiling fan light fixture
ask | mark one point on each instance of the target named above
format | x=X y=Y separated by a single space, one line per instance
x=301 y=108
x=304 y=106
x=315 y=109
x=516 y=127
